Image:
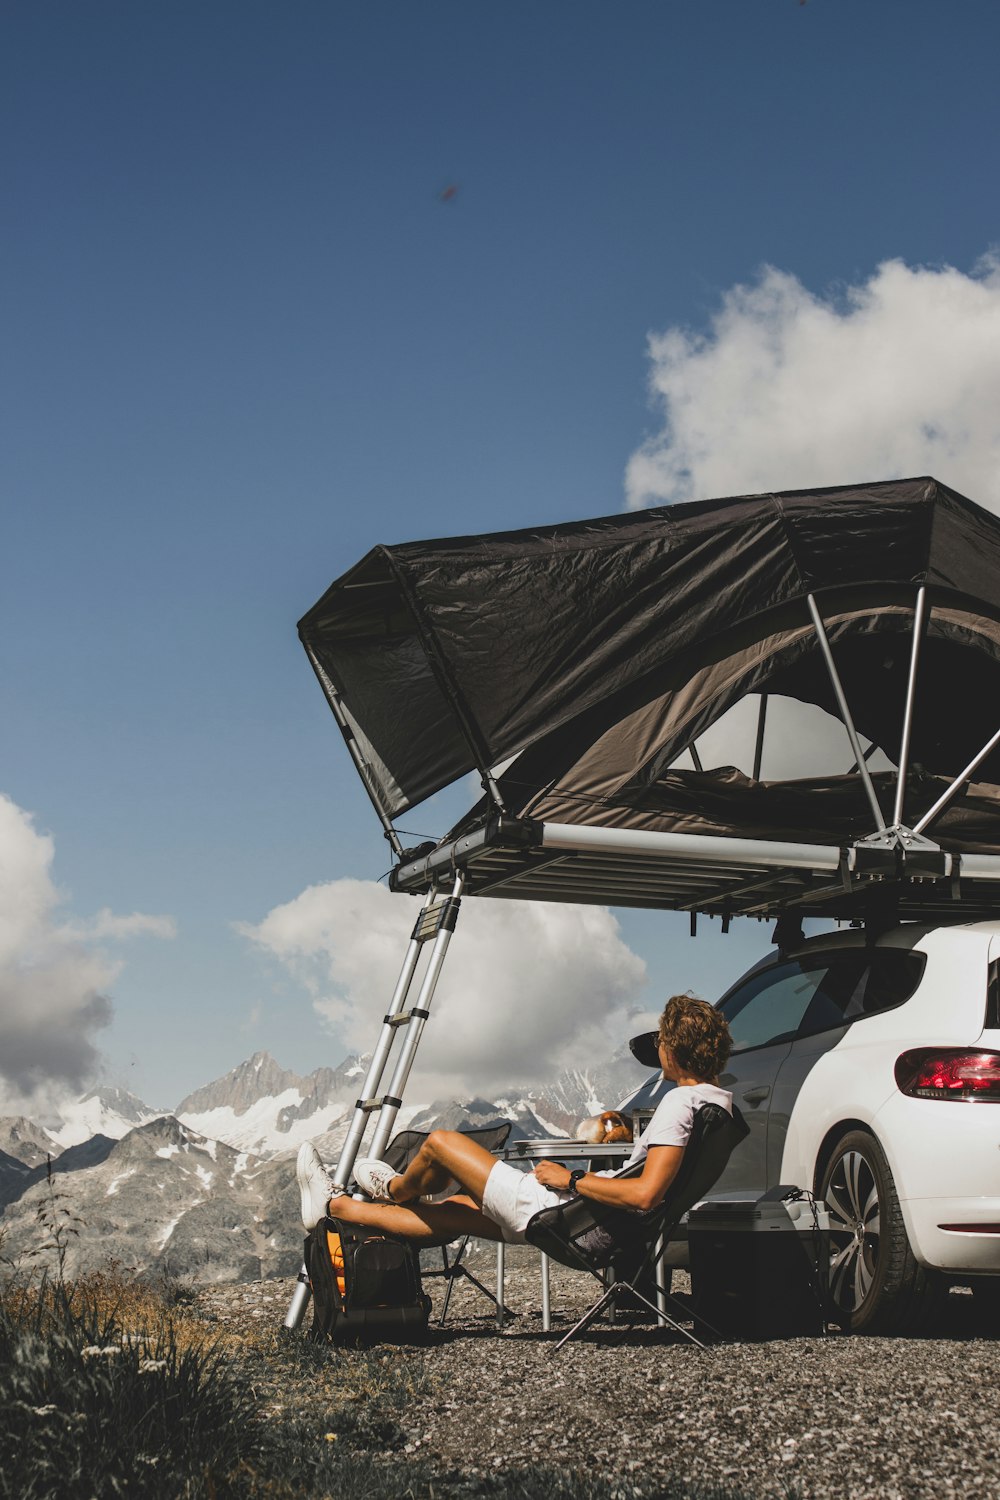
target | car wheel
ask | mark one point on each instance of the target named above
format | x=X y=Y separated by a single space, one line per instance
x=876 y=1284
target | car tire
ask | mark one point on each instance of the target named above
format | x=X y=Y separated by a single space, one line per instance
x=986 y=1300
x=876 y=1284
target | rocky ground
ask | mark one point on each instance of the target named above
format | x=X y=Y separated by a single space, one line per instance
x=818 y=1418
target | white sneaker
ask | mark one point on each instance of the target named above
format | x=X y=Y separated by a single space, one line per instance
x=314 y=1185
x=373 y=1177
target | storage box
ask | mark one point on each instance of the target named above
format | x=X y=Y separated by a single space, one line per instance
x=759 y=1265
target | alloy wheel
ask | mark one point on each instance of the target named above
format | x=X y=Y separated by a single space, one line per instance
x=852 y=1196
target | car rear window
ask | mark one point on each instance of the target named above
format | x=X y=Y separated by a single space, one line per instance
x=863 y=983
x=819 y=992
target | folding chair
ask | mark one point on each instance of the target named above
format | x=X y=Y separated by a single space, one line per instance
x=588 y=1236
x=399 y=1153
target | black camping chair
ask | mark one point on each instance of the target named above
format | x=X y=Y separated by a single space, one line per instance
x=399 y=1153
x=589 y=1236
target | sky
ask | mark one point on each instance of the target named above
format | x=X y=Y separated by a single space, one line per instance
x=283 y=282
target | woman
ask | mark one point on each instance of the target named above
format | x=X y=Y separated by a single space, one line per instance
x=498 y=1201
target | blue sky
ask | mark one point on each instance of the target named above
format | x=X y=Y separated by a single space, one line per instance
x=245 y=340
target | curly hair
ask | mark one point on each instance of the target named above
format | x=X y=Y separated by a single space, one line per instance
x=697 y=1034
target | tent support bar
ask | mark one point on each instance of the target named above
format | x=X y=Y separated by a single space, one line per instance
x=838 y=689
x=350 y=739
x=868 y=755
x=904 y=747
x=746 y=888
x=758 y=751
x=445 y=680
x=948 y=794
x=490 y=786
x=981 y=866
x=697 y=847
x=695 y=757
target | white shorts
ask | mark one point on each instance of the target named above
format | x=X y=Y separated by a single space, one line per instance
x=512 y=1198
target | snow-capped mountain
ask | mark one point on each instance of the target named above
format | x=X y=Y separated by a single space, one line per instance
x=27 y=1142
x=164 y=1198
x=575 y=1094
x=210 y=1193
x=104 y=1111
x=261 y=1107
x=452 y=1114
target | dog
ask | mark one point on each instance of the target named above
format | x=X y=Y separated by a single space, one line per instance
x=604 y=1129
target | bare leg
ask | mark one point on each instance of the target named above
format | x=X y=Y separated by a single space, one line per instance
x=445 y=1154
x=423 y=1223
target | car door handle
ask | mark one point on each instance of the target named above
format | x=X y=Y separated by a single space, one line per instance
x=756 y=1096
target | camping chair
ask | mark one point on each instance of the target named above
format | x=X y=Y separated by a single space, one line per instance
x=399 y=1153
x=589 y=1236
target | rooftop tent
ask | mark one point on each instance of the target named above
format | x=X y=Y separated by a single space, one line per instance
x=597 y=652
x=591 y=656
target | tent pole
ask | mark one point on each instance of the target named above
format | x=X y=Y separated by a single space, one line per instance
x=758 y=752
x=696 y=758
x=838 y=689
x=364 y=770
x=868 y=755
x=442 y=672
x=904 y=747
x=946 y=796
x=490 y=786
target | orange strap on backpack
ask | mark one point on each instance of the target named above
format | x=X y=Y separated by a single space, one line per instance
x=337 y=1259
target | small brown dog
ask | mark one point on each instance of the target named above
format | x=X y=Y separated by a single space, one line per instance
x=604 y=1129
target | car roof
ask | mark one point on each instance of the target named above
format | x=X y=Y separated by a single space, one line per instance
x=902 y=935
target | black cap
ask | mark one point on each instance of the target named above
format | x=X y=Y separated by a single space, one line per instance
x=646 y=1049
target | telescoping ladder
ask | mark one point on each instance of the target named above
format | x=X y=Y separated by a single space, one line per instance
x=435 y=925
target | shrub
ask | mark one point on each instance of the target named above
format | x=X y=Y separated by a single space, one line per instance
x=92 y=1408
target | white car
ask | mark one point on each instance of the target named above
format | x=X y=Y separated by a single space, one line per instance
x=869 y=1073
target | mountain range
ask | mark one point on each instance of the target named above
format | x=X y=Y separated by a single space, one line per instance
x=207 y=1191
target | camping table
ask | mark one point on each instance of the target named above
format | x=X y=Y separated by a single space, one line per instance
x=554 y=1150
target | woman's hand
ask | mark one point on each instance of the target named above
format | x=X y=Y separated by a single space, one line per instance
x=551 y=1175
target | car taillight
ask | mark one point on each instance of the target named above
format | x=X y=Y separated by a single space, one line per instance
x=949 y=1073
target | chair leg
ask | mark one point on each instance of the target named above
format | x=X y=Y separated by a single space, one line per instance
x=456 y=1268
x=449 y=1275
x=660 y=1312
x=502 y=1309
x=599 y=1306
x=588 y=1317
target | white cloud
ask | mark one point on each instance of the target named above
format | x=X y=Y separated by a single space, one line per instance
x=528 y=987
x=108 y=926
x=53 y=981
x=895 y=376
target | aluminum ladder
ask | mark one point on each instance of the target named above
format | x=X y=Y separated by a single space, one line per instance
x=434 y=926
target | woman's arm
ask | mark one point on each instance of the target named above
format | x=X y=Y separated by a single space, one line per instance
x=642 y=1192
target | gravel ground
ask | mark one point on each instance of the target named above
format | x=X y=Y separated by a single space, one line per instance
x=817 y=1418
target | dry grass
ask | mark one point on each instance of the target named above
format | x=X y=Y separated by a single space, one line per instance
x=147 y=1311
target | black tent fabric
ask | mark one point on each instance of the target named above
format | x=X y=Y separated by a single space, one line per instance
x=597 y=651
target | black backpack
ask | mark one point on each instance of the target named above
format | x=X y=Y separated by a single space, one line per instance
x=377 y=1294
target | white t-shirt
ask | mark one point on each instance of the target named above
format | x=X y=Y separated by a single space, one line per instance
x=673 y=1118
